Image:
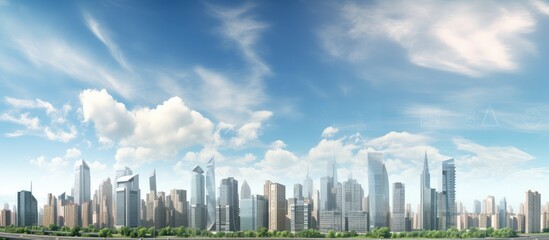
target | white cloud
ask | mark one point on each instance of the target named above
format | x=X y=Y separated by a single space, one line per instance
x=30 y=104
x=101 y=33
x=57 y=164
x=61 y=135
x=329 y=132
x=31 y=123
x=541 y=6
x=470 y=39
x=145 y=134
x=250 y=131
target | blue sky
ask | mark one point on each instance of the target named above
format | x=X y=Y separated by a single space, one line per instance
x=270 y=87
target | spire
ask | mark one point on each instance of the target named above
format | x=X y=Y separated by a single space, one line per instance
x=425 y=163
x=31 y=186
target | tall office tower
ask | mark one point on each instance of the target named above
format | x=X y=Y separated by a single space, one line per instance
x=86 y=214
x=490 y=205
x=227 y=218
x=61 y=202
x=28 y=209
x=425 y=207
x=5 y=217
x=298 y=191
x=545 y=216
x=253 y=213
x=159 y=212
x=105 y=201
x=300 y=216
x=330 y=220
x=71 y=215
x=210 y=197
x=40 y=217
x=408 y=218
x=50 y=211
x=327 y=198
x=448 y=195
x=316 y=209
x=245 y=191
x=198 y=203
x=82 y=191
x=398 y=207
x=503 y=213
x=277 y=207
x=477 y=207
x=128 y=200
x=351 y=199
x=532 y=212
x=332 y=170
x=152 y=184
x=178 y=203
x=14 y=219
x=378 y=186
x=308 y=186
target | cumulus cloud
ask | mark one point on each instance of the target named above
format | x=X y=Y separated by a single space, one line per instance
x=57 y=164
x=470 y=39
x=329 y=132
x=145 y=134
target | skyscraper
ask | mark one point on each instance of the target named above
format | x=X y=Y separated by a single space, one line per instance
x=28 y=209
x=198 y=207
x=298 y=191
x=399 y=201
x=490 y=205
x=128 y=200
x=105 y=201
x=378 y=186
x=477 y=207
x=533 y=212
x=277 y=207
x=425 y=211
x=253 y=213
x=227 y=217
x=308 y=186
x=50 y=211
x=448 y=194
x=82 y=191
x=178 y=204
x=327 y=197
x=503 y=213
x=152 y=184
x=245 y=191
x=210 y=198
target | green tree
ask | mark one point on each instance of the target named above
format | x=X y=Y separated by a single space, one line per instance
x=331 y=234
x=142 y=232
x=262 y=232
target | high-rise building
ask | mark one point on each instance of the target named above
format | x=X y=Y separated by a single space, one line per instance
x=425 y=207
x=72 y=211
x=448 y=195
x=316 y=209
x=398 y=207
x=350 y=195
x=5 y=217
x=308 y=186
x=105 y=201
x=300 y=215
x=532 y=212
x=198 y=203
x=245 y=191
x=357 y=221
x=277 y=207
x=477 y=207
x=210 y=197
x=327 y=197
x=14 y=219
x=128 y=200
x=177 y=204
x=253 y=213
x=28 y=209
x=378 y=186
x=298 y=191
x=82 y=191
x=490 y=205
x=50 y=211
x=503 y=213
x=86 y=214
x=152 y=184
x=227 y=217
x=330 y=220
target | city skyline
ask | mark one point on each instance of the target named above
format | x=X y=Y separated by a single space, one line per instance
x=167 y=87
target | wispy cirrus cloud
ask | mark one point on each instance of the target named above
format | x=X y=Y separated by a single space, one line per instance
x=102 y=34
x=472 y=39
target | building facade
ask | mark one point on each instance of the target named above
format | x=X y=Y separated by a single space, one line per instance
x=378 y=186
x=128 y=200
x=27 y=214
x=253 y=213
x=399 y=202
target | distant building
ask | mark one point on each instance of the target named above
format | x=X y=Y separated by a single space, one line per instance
x=399 y=202
x=50 y=211
x=253 y=213
x=245 y=191
x=503 y=213
x=82 y=190
x=227 y=216
x=300 y=216
x=5 y=218
x=198 y=203
x=105 y=203
x=357 y=221
x=448 y=195
x=72 y=213
x=277 y=207
x=532 y=212
x=28 y=209
x=378 y=182
x=330 y=220
x=128 y=200
x=477 y=207
x=210 y=197
x=177 y=205
x=298 y=191
x=308 y=186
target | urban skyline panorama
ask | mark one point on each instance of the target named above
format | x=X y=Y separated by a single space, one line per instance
x=275 y=91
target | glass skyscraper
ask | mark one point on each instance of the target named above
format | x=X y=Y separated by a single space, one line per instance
x=253 y=213
x=227 y=210
x=128 y=200
x=82 y=191
x=449 y=217
x=28 y=209
x=378 y=183
x=210 y=197
x=198 y=207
